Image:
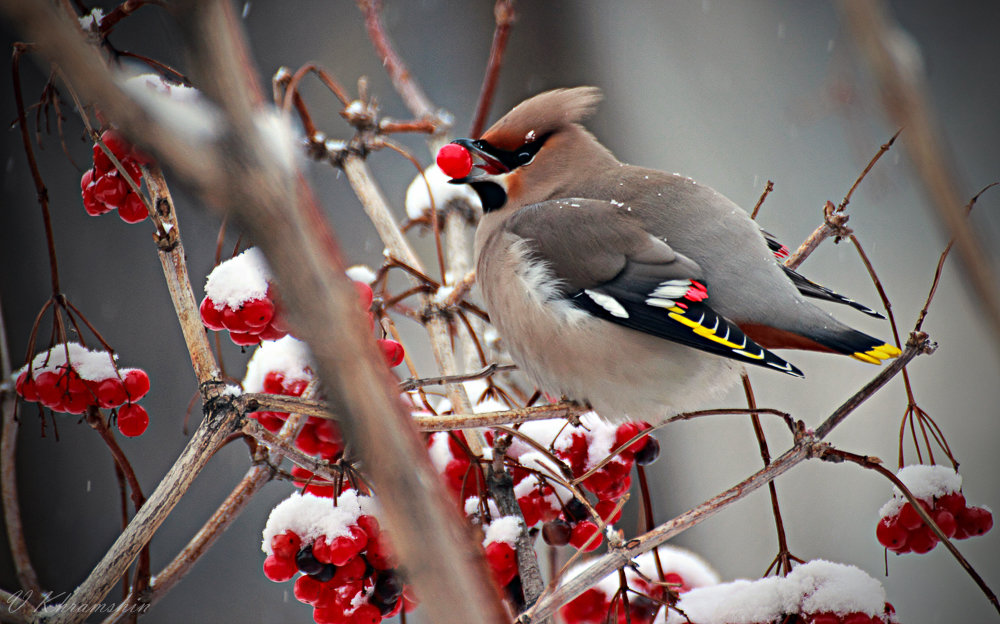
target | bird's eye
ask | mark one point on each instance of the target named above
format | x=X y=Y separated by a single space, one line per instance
x=523 y=158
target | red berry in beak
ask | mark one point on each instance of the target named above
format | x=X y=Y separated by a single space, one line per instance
x=454 y=160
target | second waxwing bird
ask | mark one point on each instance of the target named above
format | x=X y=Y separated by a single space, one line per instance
x=634 y=291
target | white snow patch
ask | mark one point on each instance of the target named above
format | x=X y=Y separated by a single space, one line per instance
x=181 y=109
x=692 y=569
x=815 y=587
x=361 y=273
x=288 y=356
x=418 y=201
x=92 y=20
x=89 y=365
x=439 y=451
x=276 y=135
x=505 y=529
x=925 y=483
x=239 y=279
x=312 y=516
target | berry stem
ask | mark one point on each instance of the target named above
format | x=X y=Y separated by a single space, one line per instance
x=41 y=192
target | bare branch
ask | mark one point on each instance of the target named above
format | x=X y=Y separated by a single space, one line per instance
x=900 y=77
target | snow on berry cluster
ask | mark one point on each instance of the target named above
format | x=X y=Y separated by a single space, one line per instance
x=285 y=367
x=581 y=448
x=70 y=378
x=347 y=572
x=565 y=519
x=817 y=592
x=432 y=189
x=103 y=187
x=601 y=603
x=239 y=298
x=939 y=491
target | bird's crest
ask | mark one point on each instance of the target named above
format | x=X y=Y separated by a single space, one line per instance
x=543 y=114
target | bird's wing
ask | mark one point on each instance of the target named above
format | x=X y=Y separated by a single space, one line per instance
x=608 y=266
x=808 y=287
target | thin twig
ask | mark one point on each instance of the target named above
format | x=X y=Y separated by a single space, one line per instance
x=760 y=202
x=27 y=578
x=504 y=14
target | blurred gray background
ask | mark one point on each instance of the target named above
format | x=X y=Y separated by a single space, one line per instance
x=729 y=93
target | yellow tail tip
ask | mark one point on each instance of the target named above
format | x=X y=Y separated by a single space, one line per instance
x=875 y=355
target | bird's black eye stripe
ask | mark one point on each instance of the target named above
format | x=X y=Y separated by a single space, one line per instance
x=516 y=158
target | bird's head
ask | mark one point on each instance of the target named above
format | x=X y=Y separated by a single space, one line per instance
x=536 y=150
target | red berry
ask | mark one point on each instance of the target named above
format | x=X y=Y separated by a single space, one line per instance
x=890 y=534
x=502 y=559
x=256 y=313
x=133 y=210
x=353 y=570
x=110 y=393
x=392 y=350
x=116 y=143
x=136 y=383
x=90 y=203
x=976 y=521
x=46 y=385
x=605 y=508
x=858 y=618
x=102 y=163
x=590 y=606
x=133 y=170
x=624 y=433
x=111 y=190
x=307 y=589
x=25 y=386
x=329 y=615
x=953 y=502
x=232 y=320
x=243 y=339
x=946 y=522
x=921 y=540
x=274 y=382
x=77 y=395
x=454 y=160
x=366 y=614
x=364 y=294
x=211 y=316
x=279 y=569
x=285 y=545
x=909 y=519
x=132 y=420
x=581 y=533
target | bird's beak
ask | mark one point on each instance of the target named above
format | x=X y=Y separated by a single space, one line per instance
x=491 y=165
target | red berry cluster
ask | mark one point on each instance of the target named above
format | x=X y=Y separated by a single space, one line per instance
x=319 y=436
x=904 y=531
x=602 y=603
x=103 y=187
x=70 y=379
x=348 y=576
x=454 y=160
x=938 y=489
x=248 y=323
x=578 y=448
x=452 y=461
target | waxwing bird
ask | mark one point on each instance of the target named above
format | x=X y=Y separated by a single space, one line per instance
x=637 y=292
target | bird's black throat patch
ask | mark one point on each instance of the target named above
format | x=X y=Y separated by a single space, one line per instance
x=491 y=195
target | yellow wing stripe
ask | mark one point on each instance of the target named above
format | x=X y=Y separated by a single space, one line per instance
x=705 y=332
x=875 y=355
